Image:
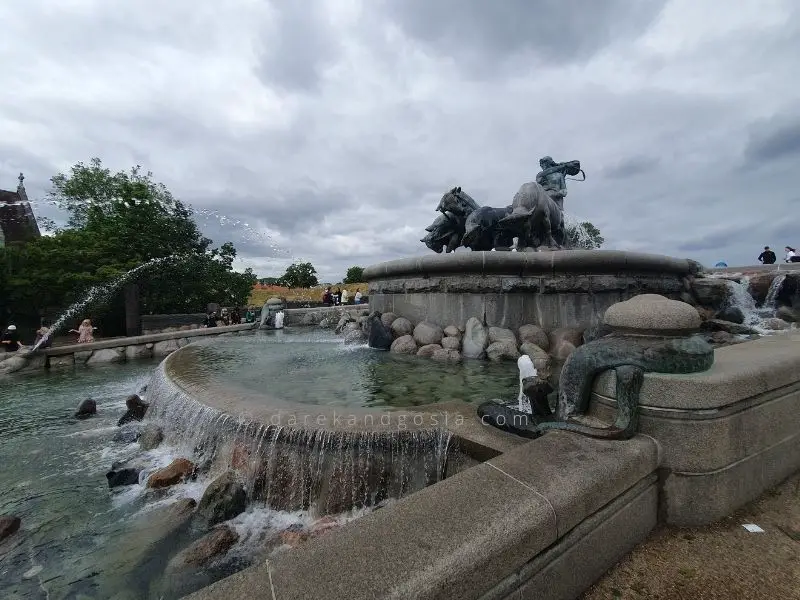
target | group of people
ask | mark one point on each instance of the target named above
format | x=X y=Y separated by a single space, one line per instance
x=10 y=339
x=339 y=297
x=768 y=257
x=232 y=317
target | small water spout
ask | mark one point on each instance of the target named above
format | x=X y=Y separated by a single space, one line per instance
x=279 y=320
x=526 y=370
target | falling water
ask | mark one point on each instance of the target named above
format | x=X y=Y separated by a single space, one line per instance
x=773 y=291
x=99 y=292
x=324 y=471
x=582 y=238
x=279 y=320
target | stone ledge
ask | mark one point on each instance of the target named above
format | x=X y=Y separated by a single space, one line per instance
x=463 y=536
x=144 y=339
x=695 y=499
x=529 y=263
x=578 y=559
x=739 y=372
x=708 y=440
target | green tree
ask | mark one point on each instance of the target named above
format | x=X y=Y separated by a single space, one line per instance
x=584 y=236
x=300 y=275
x=354 y=275
x=117 y=222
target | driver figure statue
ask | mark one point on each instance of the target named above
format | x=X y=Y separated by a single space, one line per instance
x=553 y=178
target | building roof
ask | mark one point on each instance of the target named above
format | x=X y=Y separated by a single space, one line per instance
x=17 y=221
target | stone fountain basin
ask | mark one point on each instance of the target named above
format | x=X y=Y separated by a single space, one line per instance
x=320 y=458
x=565 y=288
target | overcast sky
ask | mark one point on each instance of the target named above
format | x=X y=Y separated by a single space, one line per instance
x=327 y=130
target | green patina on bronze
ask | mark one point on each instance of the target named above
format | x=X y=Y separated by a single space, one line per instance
x=630 y=357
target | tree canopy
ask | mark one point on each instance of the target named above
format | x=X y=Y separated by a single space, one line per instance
x=118 y=221
x=584 y=236
x=354 y=275
x=300 y=275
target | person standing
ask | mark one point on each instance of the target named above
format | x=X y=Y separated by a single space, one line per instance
x=10 y=339
x=345 y=296
x=767 y=257
x=357 y=297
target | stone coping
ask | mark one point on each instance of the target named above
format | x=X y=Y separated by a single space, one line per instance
x=463 y=536
x=145 y=339
x=532 y=263
x=740 y=371
x=779 y=267
x=460 y=418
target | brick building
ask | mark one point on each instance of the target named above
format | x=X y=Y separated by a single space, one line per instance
x=17 y=223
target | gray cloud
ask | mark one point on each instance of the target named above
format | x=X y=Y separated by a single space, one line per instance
x=481 y=35
x=774 y=139
x=329 y=133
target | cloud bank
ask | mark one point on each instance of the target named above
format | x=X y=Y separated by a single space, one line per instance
x=327 y=130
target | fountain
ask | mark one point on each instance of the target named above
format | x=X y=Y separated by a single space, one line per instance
x=544 y=282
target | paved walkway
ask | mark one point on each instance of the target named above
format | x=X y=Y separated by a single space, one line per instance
x=720 y=561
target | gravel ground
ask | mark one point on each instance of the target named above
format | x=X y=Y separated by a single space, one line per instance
x=720 y=561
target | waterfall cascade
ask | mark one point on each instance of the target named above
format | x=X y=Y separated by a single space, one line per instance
x=324 y=471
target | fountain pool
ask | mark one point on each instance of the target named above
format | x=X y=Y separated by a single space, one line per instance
x=81 y=539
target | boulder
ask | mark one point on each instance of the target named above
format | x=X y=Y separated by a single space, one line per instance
x=54 y=362
x=711 y=292
x=127 y=434
x=402 y=326
x=534 y=334
x=451 y=343
x=107 y=356
x=343 y=321
x=720 y=325
x=541 y=360
x=127 y=476
x=452 y=331
x=86 y=409
x=562 y=349
x=151 y=437
x=9 y=525
x=428 y=333
x=136 y=409
x=428 y=350
x=177 y=471
x=203 y=551
x=379 y=336
x=566 y=334
x=139 y=351
x=388 y=318
x=14 y=363
x=475 y=340
x=224 y=499
x=775 y=324
x=445 y=355
x=652 y=314
x=504 y=350
x=759 y=284
x=721 y=337
x=294 y=535
x=704 y=313
x=326 y=323
x=351 y=326
x=355 y=336
x=81 y=356
x=404 y=345
x=787 y=313
x=595 y=332
x=164 y=348
x=734 y=314
x=501 y=334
